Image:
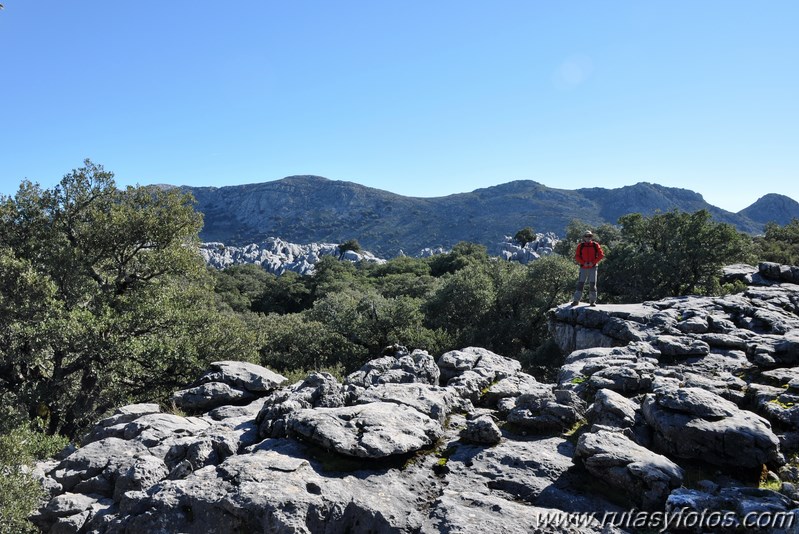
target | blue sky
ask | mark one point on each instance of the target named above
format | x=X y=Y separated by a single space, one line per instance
x=422 y=98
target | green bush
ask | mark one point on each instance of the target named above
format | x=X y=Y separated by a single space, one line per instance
x=780 y=244
x=670 y=254
x=20 y=492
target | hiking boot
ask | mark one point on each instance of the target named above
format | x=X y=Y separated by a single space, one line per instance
x=575 y=303
x=593 y=304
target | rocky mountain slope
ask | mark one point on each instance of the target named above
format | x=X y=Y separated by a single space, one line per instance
x=772 y=208
x=306 y=209
x=673 y=407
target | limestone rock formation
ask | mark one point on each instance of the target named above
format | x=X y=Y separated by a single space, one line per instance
x=543 y=245
x=648 y=478
x=679 y=404
x=694 y=423
x=278 y=256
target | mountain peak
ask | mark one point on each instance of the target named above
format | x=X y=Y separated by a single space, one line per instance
x=772 y=207
x=306 y=178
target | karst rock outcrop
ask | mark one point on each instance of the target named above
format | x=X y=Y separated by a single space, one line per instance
x=682 y=403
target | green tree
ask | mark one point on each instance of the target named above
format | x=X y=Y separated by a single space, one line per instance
x=670 y=254
x=402 y=276
x=524 y=236
x=524 y=294
x=780 y=244
x=287 y=293
x=107 y=298
x=462 y=305
x=251 y=288
x=241 y=286
x=349 y=245
x=462 y=255
x=331 y=276
x=295 y=343
x=371 y=321
x=20 y=492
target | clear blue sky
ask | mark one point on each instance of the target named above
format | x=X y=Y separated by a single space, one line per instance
x=422 y=98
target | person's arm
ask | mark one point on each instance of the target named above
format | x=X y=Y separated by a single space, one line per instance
x=599 y=253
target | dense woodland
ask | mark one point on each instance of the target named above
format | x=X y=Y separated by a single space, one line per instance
x=105 y=301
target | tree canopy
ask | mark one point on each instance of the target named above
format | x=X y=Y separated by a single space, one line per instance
x=780 y=243
x=105 y=298
x=671 y=254
x=524 y=236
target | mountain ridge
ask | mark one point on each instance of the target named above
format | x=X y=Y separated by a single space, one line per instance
x=772 y=208
x=308 y=208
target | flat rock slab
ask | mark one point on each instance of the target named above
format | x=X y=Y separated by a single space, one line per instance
x=434 y=401
x=243 y=375
x=699 y=402
x=375 y=430
x=210 y=395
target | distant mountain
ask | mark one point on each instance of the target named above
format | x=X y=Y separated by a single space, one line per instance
x=306 y=209
x=772 y=208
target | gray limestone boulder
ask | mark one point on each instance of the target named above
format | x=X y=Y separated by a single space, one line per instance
x=236 y=414
x=273 y=488
x=726 y=385
x=186 y=455
x=401 y=368
x=317 y=390
x=481 y=430
x=694 y=423
x=681 y=346
x=581 y=327
x=512 y=386
x=145 y=471
x=738 y=508
x=472 y=370
x=374 y=430
x=152 y=429
x=786 y=350
x=627 y=369
x=210 y=395
x=738 y=271
x=96 y=467
x=243 y=376
x=538 y=473
x=613 y=410
x=70 y=512
x=779 y=404
x=114 y=426
x=435 y=402
x=775 y=271
x=226 y=383
x=645 y=477
x=548 y=409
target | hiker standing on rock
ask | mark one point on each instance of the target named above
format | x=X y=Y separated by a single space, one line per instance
x=587 y=256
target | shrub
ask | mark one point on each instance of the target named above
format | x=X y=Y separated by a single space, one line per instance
x=20 y=492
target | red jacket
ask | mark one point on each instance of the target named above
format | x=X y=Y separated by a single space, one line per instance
x=588 y=254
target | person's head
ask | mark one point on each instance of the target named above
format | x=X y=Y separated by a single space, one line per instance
x=588 y=235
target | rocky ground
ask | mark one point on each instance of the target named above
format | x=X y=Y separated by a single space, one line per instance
x=680 y=404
